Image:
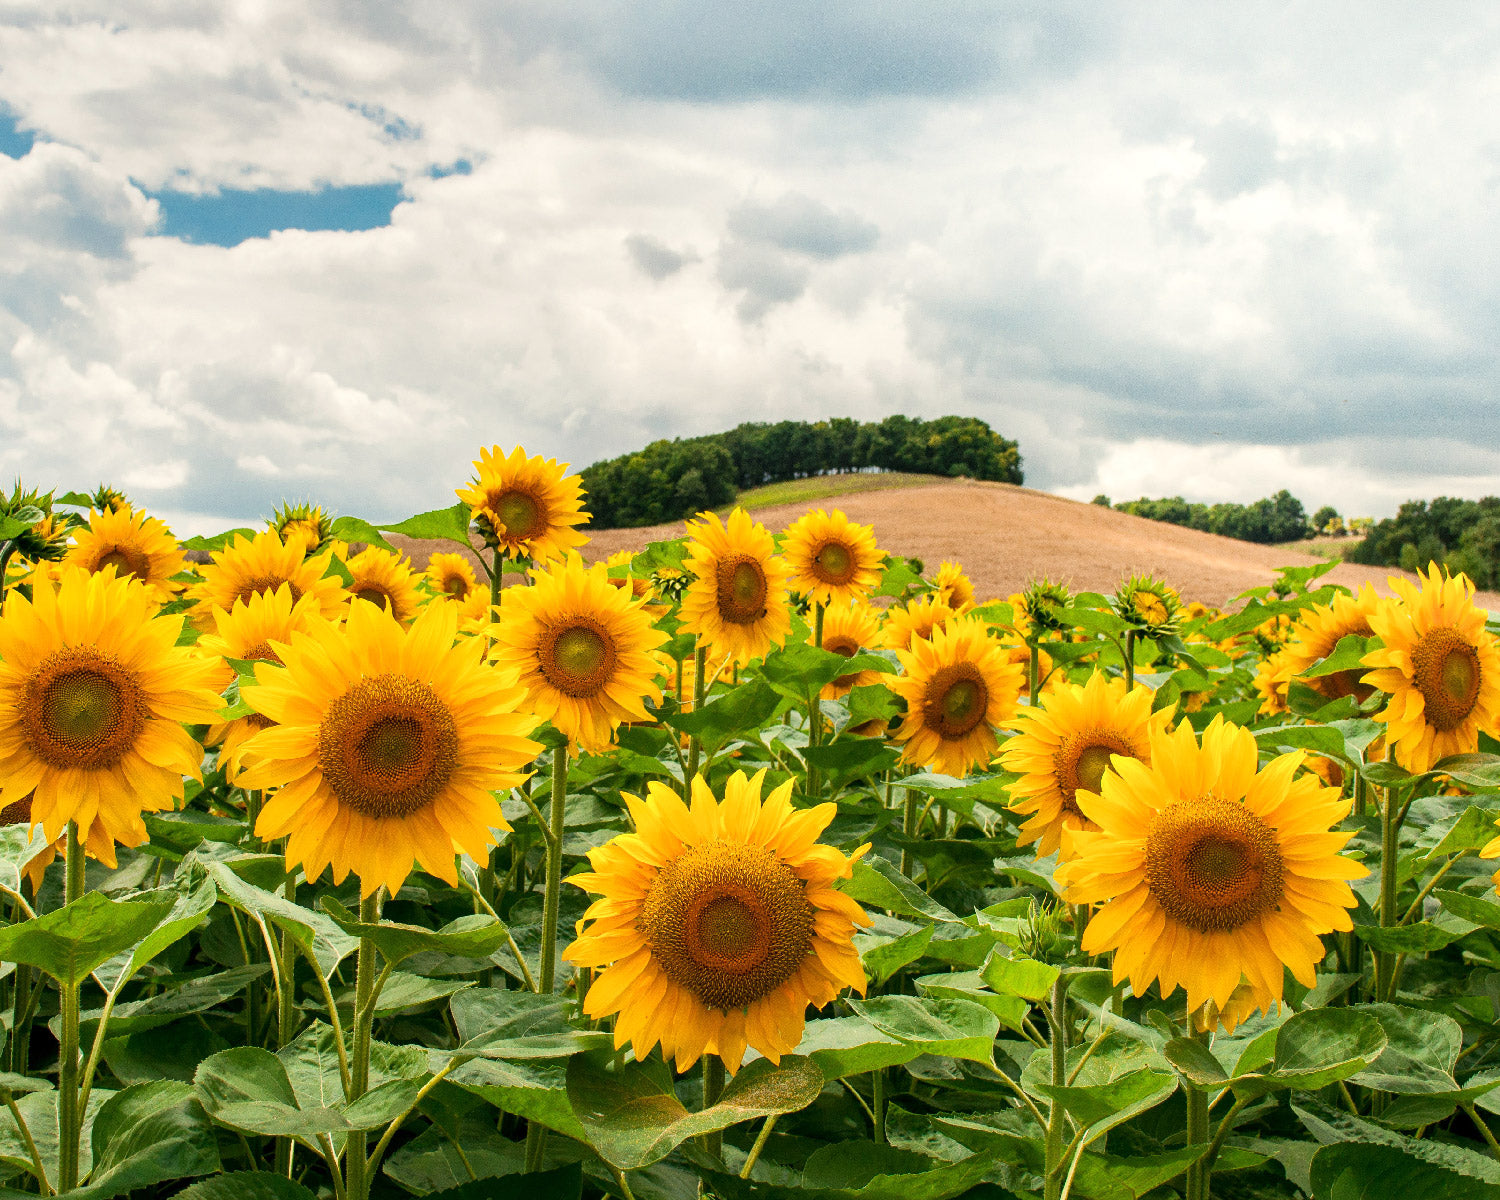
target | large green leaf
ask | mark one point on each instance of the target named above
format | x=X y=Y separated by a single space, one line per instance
x=884 y=955
x=1355 y=1171
x=445 y=524
x=879 y=883
x=247 y=1185
x=19 y=844
x=188 y=912
x=850 y=758
x=356 y=529
x=247 y=1089
x=146 y=1135
x=1331 y=1125
x=534 y=1090
x=953 y=1028
x=474 y=936
x=852 y=1046
x=970 y=985
x=71 y=943
x=937 y=1182
x=562 y=1183
x=800 y=670
x=737 y=713
x=1312 y=1050
x=516 y=1025
x=323 y=941
x=1024 y=977
x=631 y=1115
x=1099 y=1107
x=39 y=1110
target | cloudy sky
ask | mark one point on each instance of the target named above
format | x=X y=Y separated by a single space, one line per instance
x=256 y=249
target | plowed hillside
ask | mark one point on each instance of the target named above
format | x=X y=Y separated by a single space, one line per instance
x=1004 y=535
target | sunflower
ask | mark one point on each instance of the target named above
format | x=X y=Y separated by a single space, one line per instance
x=583 y=651
x=305 y=523
x=1246 y=1000
x=953 y=587
x=1040 y=607
x=1209 y=870
x=262 y=564
x=97 y=844
x=1066 y=744
x=958 y=687
x=451 y=577
x=1272 y=678
x=848 y=629
x=385 y=579
x=832 y=558
x=916 y=619
x=250 y=632
x=526 y=507
x=1315 y=634
x=94 y=691
x=718 y=925
x=1439 y=667
x=737 y=601
x=1152 y=607
x=388 y=746
x=133 y=543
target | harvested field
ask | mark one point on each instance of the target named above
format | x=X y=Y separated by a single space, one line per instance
x=1004 y=534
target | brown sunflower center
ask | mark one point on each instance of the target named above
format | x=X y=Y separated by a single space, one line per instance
x=727 y=921
x=834 y=564
x=82 y=709
x=519 y=512
x=1082 y=759
x=742 y=590
x=842 y=643
x=456 y=585
x=267 y=584
x=17 y=812
x=128 y=561
x=956 y=701
x=578 y=658
x=387 y=746
x=1212 y=864
x=1445 y=670
x=375 y=594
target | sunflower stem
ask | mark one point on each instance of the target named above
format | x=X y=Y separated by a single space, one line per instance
x=554 y=869
x=909 y=827
x=286 y=1012
x=760 y=1144
x=5 y=556
x=69 y=1119
x=695 y=747
x=355 y=1174
x=1034 y=666
x=1197 y=1129
x=713 y=1088
x=1390 y=843
x=815 y=712
x=1057 y=1020
x=877 y=1102
x=1129 y=660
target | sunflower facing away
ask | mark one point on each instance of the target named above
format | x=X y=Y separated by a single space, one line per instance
x=582 y=649
x=958 y=687
x=94 y=692
x=1439 y=667
x=848 y=629
x=385 y=580
x=737 y=601
x=831 y=557
x=718 y=925
x=953 y=587
x=526 y=507
x=250 y=631
x=1317 y=632
x=387 y=746
x=136 y=545
x=915 y=619
x=262 y=564
x=1209 y=870
x=1066 y=744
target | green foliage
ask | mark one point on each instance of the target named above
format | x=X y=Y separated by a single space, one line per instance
x=1279 y=518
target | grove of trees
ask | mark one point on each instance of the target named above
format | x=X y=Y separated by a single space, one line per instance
x=1463 y=535
x=670 y=480
x=1278 y=518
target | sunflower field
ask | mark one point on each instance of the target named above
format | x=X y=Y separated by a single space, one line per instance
x=755 y=866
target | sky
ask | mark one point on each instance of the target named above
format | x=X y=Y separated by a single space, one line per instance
x=259 y=250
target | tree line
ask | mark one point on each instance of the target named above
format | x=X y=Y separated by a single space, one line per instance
x=670 y=480
x=1278 y=518
x=1462 y=535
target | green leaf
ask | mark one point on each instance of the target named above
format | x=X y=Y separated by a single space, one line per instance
x=186 y=915
x=71 y=943
x=1024 y=977
x=39 y=1110
x=446 y=524
x=936 y=1182
x=404 y=991
x=247 y=1185
x=355 y=529
x=843 y=1046
x=879 y=883
x=1315 y=1049
x=884 y=956
x=1356 y=1171
x=536 y=1091
x=19 y=844
x=500 y=1024
x=1416 y=938
x=739 y=712
x=146 y=1135
x=1475 y=910
x=1323 y=739
x=631 y=1115
x=19 y=1085
x=1472 y=830
x=952 y=1028
x=851 y=758
x=312 y=931
x=563 y=1183
x=218 y=541
x=970 y=986
x=1477 y=772
x=801 y=670
x=1100 y=1107
x=312 y=1066
x=1348 y=655
x=1195 y=1062
x=475 y=936
x=247 y=1089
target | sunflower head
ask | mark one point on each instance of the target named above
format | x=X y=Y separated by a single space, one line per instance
x=737 y=600
x=848 y=629
x=917 y=618
x=584 y=651
x=302 y=522
x=1151 y=606
x=451 y=577
x=831 y=558
x=1439 y=666
x=1209 y=870
x=717 y=924
x=263 y=563
x=525 y=507
x=109 y=499
x=384 y=578
x=46 y=537
x=1042 y=605
x=953 y=587
x=1317 y=631
x=135 y=545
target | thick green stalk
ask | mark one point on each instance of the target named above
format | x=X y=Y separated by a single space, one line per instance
x=355 y=1175
x=815 y=712
x=1129 y=659
x=487 y=868
x=286 y=1015
x=877 y=1102
x=554 y=869
x=909 y=827
x=253 y=1000
x=1390 y=855
x=1034 y=668
x=5 y=557
x=695 y=749
x=713 y=1088
x=69 y=1119
x=1057 y=1020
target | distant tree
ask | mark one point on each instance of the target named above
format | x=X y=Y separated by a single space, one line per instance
x=1102 y=500
x=1324 y=515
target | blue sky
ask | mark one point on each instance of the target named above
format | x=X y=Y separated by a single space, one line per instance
x=280 y=249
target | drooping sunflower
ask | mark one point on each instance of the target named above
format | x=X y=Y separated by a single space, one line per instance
x=915 y=619
x=1315 y=634
x=953 y=587
x=136 y=545
x=387 y=746
x=1209 y=870
x=250 y=632
x=262 y=564
x=385 y=580
x=526 y=507
x=94 y=692
x=583 y=651
x=832 y=558
x=958 y=686
x=717 y=925
x=848 y=629
x=1040 y=607
x=1066 y=743
x=1438 y=665
x=737 y=601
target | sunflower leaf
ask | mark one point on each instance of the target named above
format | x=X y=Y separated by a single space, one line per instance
x=951 y=1028
x=71 y=943
x=445 y=524
x=1348 y=655
x=878 y=882
x=357 y=529
x=475 y=936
